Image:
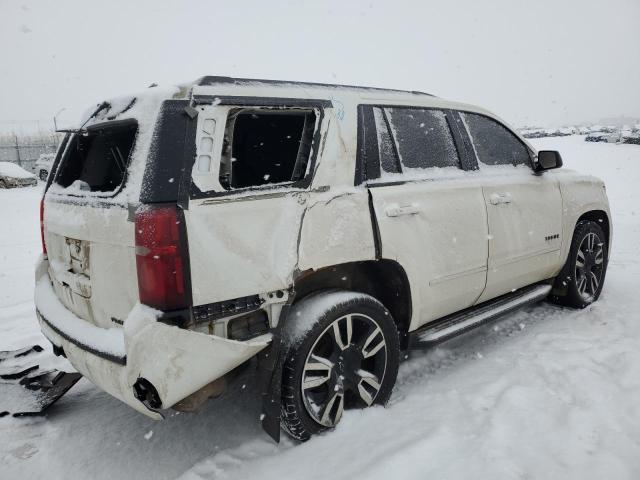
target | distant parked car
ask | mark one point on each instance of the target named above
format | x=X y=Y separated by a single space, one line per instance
x=631 y=137
x=12 y=175
x=597 y=137
x=533 y=133
x=43 y=165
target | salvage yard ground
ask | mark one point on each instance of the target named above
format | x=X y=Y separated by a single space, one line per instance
x=545 y=393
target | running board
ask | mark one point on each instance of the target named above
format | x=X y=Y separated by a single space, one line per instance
x=470 y=318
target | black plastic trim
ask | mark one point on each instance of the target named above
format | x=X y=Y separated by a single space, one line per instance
x=461 y=139
x=377 y=240
x=394 y=143
x=394 y=183
x=186 y=260
x=226 y=308
x=253 y=101
x=181 y=318
x=98 y=353
x=170 y=149
x=56 y=161
x=112 y=124
x=367 y=153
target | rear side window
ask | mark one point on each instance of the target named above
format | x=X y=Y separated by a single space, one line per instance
x=97 y=160
x=263 y=146
x=422 y=138
x=495 y=144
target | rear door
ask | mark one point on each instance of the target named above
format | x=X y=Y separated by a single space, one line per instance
x=524 y=209
x=431 y=217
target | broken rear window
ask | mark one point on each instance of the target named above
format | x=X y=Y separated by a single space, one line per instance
x=97 y=160
x=266 y=146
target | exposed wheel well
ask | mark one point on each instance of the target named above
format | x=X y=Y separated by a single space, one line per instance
x=383 y=279
x=600 y=217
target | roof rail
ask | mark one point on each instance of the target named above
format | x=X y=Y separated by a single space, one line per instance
x=217 y=80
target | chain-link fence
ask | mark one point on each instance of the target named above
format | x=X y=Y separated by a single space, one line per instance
x=25 y=150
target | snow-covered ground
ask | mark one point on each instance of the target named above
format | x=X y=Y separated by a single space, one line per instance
x=545 y=393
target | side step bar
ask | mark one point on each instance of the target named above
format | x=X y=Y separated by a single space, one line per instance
x=457 y=323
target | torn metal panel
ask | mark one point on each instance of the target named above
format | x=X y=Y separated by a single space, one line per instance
x=337 y=229
x=25 y=389
x=192 y=359
x=258 y=238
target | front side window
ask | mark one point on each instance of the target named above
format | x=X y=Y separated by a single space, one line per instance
x=495 y=144
x=266 y=146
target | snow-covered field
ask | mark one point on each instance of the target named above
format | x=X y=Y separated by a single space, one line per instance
x=545 y=393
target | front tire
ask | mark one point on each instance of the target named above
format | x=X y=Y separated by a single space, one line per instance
x=342 y=352
x=582 y=276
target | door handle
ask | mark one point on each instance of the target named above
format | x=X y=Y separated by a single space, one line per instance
x=498 y=198
x=395 y=210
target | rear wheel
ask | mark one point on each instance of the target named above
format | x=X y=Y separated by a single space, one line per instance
x=582 y=277
x=347 y=358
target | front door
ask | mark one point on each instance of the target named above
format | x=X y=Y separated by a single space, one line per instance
x=524 y=210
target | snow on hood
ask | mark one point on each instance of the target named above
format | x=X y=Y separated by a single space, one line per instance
x=8 y=169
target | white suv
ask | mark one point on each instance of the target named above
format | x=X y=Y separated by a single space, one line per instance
x=321 y=228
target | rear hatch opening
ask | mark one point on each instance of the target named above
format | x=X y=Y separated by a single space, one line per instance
x=97 y=159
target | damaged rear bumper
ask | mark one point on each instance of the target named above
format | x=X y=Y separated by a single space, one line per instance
x=175 y=361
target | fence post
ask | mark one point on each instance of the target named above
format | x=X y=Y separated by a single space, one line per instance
x=18 y=149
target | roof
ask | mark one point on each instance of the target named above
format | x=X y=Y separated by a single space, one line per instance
x=216 y=80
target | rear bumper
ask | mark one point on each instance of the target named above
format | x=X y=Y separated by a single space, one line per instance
x=175 y=361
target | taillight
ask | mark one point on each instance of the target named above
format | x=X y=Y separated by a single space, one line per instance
x=44 y=245
x=161 y=270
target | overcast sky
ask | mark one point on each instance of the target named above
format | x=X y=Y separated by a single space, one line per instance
x=544 y=62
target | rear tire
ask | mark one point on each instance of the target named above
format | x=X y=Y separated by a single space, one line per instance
x=342 y=352
x=582 y=277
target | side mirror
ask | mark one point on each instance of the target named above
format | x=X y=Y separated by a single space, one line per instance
x=548 y=160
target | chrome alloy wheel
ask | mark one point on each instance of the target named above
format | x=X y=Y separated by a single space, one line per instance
x=344 y=369
x=589 y=266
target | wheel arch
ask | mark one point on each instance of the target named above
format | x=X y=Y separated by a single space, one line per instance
x=597 y=216
x=384 y=279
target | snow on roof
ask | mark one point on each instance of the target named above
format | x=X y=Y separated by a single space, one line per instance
x=217 y=80
x=8 y=169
